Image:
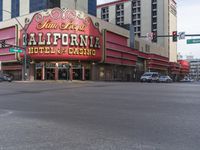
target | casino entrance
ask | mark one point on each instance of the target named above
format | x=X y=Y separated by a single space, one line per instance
x=77 y=72
x=62 y=71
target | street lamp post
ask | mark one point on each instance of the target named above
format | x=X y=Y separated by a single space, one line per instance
x=24 y=44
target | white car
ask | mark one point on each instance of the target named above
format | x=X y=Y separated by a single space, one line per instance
x=149 y=77
x=165 y=79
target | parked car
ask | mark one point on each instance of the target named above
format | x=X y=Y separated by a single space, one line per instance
x=186 y=79
x=165 y=79
x=6 y=77
x=149 y=77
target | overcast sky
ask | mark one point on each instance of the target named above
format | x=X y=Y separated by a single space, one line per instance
x=188 y=20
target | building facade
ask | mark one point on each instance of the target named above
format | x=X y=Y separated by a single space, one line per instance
x=67 y=44
x=14 y=8
x=194 y=69
x=146 y=16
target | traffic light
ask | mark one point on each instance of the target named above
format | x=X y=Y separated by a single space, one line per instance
x=154 y=39
x=3 y=44
x=174 y=36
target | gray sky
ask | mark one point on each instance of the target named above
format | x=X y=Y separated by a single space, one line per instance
x=188 y=19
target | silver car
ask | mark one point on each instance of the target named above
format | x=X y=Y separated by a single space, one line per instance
x=165 y=79
x=149 y=77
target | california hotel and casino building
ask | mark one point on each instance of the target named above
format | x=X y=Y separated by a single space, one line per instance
x=63 y=40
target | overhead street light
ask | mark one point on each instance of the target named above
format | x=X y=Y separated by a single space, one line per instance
x=24 y=46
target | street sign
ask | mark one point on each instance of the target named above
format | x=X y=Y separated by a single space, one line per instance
x=193 y=41
x=14 y=50
x=181 y=35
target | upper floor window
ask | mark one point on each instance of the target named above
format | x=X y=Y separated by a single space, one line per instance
x=1 y=10
x=53 y=3
x=119 y=6
x=15 y=8
x=36 y=5
x=105 y=13
x=92 y=7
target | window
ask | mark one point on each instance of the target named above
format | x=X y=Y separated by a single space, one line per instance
x=154 y=20
x=53 y=3
x=119 y=6
x=120 y=14
x=1 y=10
x=15 y=8
x=154 y=13
x=154 y=6
x=134 y=23
x=105 y=13
x=36 y=5
x=92 y=7
x=138 y=3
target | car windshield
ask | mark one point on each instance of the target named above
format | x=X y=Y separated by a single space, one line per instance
x=163 y=76
x=147 y=74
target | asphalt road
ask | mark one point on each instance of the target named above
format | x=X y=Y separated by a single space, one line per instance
x=99 y=116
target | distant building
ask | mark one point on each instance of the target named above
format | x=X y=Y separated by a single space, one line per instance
x=146 y=16
x=195 y=69
x=189 y=57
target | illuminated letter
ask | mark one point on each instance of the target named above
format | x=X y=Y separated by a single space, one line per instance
x=36 y=50
x=65 y=39
x=97 y=43
x=74 y=41
x=56 y=36
x=70 y=51
x=94 y=52
x=91 y=42
x=41 y=49
x=40 y=42
x=30 y=50
x=32 y=39
x=47 y=50
x=48 y=38
x=83 y=40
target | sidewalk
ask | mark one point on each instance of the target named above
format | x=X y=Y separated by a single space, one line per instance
x=54 y=81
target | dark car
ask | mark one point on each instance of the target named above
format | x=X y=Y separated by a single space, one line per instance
x=6 y=77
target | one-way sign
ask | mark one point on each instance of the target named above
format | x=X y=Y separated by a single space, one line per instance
x=181 y=35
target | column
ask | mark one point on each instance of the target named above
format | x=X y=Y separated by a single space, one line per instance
x=32 y=72
x=83 y=73
x=71 y=73
x=43 y=71
x=56 y=72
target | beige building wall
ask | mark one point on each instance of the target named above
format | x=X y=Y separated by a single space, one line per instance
x=24 y=7
x=172 y=27
x=80 y=5
x=127 y=7
x=7 y=7
x=145 y=17
x=112 y=15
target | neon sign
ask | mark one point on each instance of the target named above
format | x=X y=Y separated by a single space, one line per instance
x=63 y=34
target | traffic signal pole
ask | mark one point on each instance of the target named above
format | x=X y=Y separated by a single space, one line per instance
x=188 y=35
